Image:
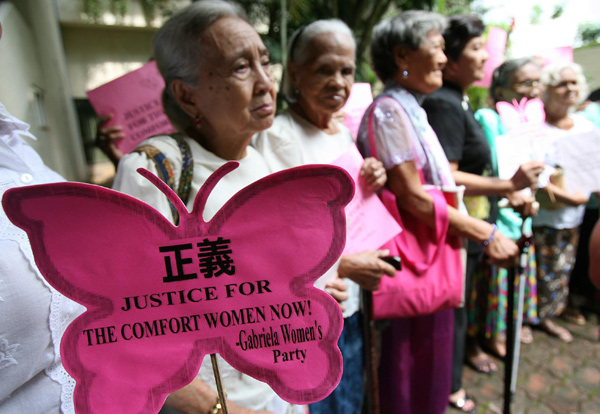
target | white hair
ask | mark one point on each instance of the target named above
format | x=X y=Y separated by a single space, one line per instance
x=551 y=77
x=178 y=51
x=299 y=47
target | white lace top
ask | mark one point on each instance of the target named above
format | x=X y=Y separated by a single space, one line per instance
x=33 y=314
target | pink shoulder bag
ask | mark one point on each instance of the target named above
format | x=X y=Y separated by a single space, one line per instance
x=431 y=276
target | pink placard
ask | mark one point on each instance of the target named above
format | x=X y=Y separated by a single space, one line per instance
x=557 y=54
x=495 y=46
x=369 y=224
x=160 y=297
x=360 y=98
x=134 y=100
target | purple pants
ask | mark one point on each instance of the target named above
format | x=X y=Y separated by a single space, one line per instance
x=416 y=364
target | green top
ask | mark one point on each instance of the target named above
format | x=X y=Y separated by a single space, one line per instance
x=509 y=222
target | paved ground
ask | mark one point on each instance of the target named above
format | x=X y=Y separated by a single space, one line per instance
x=553 y=377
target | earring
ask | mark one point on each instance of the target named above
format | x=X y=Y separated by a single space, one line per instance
x=405 y=74
x=198 y=121
x=296 y=92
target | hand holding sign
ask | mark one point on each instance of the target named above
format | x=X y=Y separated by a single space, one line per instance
x=160 y=297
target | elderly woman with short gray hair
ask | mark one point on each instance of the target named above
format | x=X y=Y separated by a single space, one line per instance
x=408 y=56
x=219 y=92
x=556 y=227
x=317 y=83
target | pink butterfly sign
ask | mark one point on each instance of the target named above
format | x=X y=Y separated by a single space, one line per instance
x=159 y=297
x=525 y=112
x=527 y=137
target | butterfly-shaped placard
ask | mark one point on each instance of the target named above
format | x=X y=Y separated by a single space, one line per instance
x=160 y=297
x=526 y=112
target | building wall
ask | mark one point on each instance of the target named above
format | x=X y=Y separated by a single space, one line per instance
x=34 y=83
x=97 y=54
x=589 y=59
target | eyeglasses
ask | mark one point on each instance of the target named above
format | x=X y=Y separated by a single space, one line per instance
x=528 y=84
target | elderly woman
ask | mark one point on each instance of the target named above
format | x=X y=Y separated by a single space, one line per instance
x=317 y=83
x=556 y=227
x=464 y=143
x=513 y=80
x=408 y=56
x=218 y=93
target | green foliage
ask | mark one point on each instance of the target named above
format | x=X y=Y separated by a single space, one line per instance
x=536 y=14
x=478 y=97
x=589 y=33
x=559 y=9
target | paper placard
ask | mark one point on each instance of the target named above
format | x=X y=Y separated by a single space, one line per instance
x=579 y=155
x=368 y=223
x=360 y=98
x=528 y=137
x=134 y=99
x=160 y=297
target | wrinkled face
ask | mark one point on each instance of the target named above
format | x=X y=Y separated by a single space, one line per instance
x=526 y=84
x=472 y=59
x=324 y=79
x=424 y=65
x=566 y=92
x=235 y=92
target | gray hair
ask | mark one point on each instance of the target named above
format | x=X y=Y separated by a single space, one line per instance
x=551 y=77
x=503 y=76
x=299 y=46
x=408 y=29
x=178 y=51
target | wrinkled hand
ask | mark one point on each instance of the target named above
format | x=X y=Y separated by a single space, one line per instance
x=527 y=175
x=338 y=289
x=502 y=251
x=373 y=173
x=106 y=139
x=523 y=204
x=236 y=409
x=366 y=268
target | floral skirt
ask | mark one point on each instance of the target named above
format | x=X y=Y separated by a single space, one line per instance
x=487 y=303
x=555 y=257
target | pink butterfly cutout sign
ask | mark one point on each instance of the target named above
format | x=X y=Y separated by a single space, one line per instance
x=160 y=297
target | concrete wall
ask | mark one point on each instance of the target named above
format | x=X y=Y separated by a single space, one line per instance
x=97 y=54
x=589 y=59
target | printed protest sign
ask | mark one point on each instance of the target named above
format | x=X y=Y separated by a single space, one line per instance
x=359 y=100
x=369 y=224
x=527 y=138
x=160 y=297
x=579 y=155
x=134 y=101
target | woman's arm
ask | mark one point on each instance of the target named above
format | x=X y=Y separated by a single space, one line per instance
x=560 y=194
x=526 y=176
x=405 y=183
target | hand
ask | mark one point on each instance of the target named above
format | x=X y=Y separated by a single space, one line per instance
x=236 y=409
x=373 y=173
x=106 y=139
x=527 y=175
x=337 y=288
x=366 y=268
x=522 y=203
x=502 y=251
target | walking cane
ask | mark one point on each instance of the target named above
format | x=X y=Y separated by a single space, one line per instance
x=370 y=351
x=513 y=328
x=370 y=345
